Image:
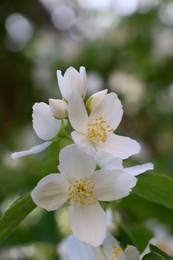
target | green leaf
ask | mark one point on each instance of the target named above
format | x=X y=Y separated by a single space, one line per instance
x=15 y=214
x=156 y=188
x=124 y=236
x=131 y=235
x=153 y=256
x=157 y=250
x=136 y=231
x=139 y=209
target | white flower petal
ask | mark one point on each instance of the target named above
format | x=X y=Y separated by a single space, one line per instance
x=77 y=113
x=138 y=169
x=35 y=149
x=44 y=123
x=81 y=139
x=62 y=86
x=132 y=253
x=108 y=161
x=100 y=254
x=88 y=223
x=120 y=146
x=72 y=81
x=112 y=184
x=78 y=250
x=108 y=242
x=83 y=75
x=94 y=100
x=110 y=108
x=122 y=256
x=51 y=192
x=89 y=150
x=76 y=163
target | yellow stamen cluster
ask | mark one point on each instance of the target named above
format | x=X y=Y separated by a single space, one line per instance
x=99 y=130
x=81 y=193
x=116 y=251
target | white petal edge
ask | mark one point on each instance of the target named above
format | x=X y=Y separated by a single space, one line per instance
x=76 y=163
x=34 y=150
x=138 y=169
x=44 y=123
x=77 y=113
x=51 y=192
x=88 y=223
x=112 y=184
x=78 y=250
x=120 y=146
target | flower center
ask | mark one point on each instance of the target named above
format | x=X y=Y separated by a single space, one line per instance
x=99 y=130
x=116 y=251
x=81 y=193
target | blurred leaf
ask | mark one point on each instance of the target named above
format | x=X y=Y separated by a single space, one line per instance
x=156 y=188
x=157 y=250
x=153 y=256
x=139 y=210
x=136 y=231
x=131 y=235
x=124 y=236
x=15 y=214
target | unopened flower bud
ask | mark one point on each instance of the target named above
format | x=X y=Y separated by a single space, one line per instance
x=58 y=108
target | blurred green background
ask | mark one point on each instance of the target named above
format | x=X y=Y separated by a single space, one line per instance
x=127 y=47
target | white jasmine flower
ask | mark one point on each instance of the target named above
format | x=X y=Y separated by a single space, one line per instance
x=72 y=81
x=45 y=126
x=110 y=250
x=96 y=129
x=82 y=187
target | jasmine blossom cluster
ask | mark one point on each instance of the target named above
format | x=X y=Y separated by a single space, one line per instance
x=79 y=183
